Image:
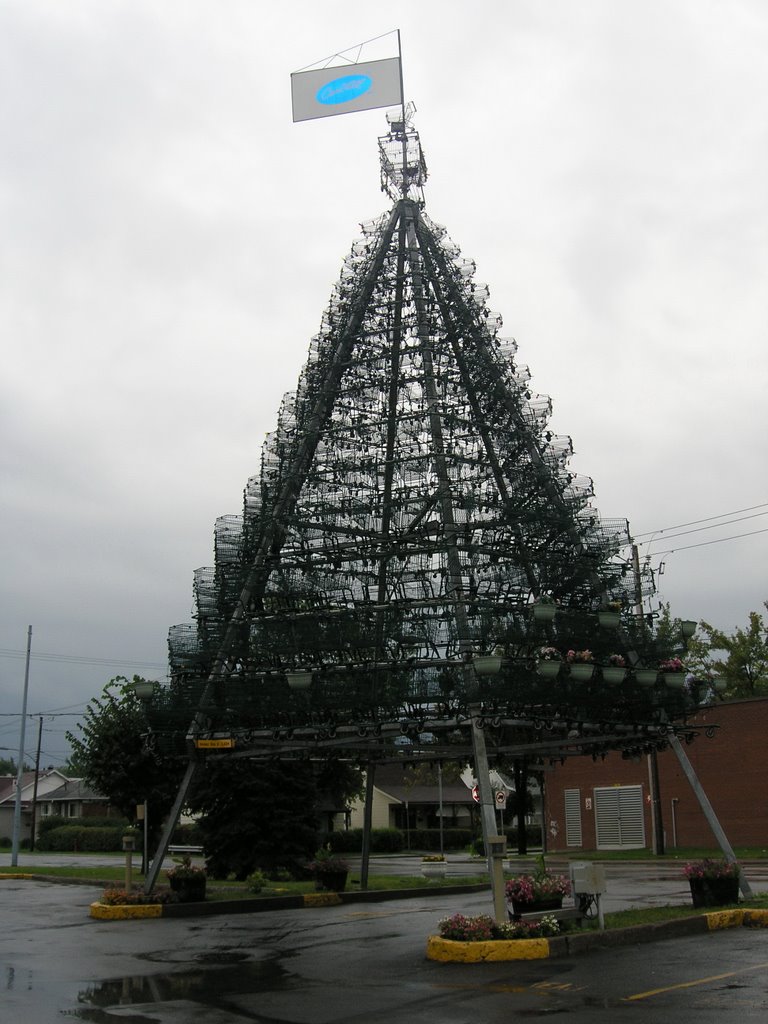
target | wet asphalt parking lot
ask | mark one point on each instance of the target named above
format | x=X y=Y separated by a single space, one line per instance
x=362 y=962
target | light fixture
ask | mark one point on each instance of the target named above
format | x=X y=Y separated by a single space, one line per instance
x=143 y=688
x=299 y=680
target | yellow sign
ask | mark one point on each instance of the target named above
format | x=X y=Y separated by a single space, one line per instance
x=214 y=744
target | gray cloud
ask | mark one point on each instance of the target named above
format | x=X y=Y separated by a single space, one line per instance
x=170 y=240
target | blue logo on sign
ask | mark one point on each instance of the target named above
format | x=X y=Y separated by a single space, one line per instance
x=342 y=90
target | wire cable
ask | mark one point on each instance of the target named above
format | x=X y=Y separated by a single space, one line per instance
x=699 y=529
x=706 y=543
x=709 y=519
x=76 y=659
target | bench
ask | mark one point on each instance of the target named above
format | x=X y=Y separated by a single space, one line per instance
x=189 y=850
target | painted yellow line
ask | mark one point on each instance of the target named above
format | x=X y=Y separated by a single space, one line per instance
x=693 y=984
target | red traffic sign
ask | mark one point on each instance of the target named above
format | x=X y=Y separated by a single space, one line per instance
x=476 y=794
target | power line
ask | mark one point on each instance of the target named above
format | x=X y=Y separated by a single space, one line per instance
x=709 y=519
x=700 y=529
x=75 y=659
x=706 y=543
x=42 y=714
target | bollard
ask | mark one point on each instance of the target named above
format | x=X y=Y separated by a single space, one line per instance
x=128 y=844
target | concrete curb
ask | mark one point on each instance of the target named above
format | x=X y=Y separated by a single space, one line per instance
x=107 y=912
x=571 y=944
x=494 y=951
x=305 y=900
x=575 y=944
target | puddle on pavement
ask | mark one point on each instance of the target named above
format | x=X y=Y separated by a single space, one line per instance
x=209 y=985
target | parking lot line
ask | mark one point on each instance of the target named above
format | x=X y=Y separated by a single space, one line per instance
x=694 y=983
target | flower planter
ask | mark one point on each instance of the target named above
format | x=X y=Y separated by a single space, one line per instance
x=188 y=890
x=614 y=675
x=581 y=671
x=544 y=612
x=434 y=868
x=299 y=680
x=535 y=906
x=487 y=664
x=646 y=676
x=548 y=669
x=714 y=892
x=674 y=680
x=331 y=881
x=609 y=620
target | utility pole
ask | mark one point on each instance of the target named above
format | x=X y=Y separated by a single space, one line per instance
x=658 y=823
x=20 y=767
x=34 y=791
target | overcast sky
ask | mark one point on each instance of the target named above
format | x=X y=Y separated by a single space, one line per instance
x=170 y=238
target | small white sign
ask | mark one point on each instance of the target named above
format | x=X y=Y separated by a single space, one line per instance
x=501 y=799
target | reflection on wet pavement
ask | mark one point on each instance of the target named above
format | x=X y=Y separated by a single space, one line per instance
x=210 y=987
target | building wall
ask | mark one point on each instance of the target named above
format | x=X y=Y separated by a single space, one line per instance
x=732 y=768
x=381 y=816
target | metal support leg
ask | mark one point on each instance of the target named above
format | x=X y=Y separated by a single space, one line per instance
x=153 y=869
x=488 y=820
x=367 y=821
x=709 y=813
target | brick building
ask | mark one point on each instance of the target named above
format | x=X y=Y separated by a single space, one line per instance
x=607 y=804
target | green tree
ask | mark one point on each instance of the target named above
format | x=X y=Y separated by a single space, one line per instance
x=110 y=751
x=255 y=815
x=8 y=766
x=745 y=665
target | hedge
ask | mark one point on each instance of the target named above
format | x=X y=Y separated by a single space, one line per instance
x=189 y=834
x=53 y=821
x=532 y=838
x=77 y=838
x=383 y=840
x=394 y=840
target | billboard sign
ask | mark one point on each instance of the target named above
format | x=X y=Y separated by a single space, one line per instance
x=344 y=90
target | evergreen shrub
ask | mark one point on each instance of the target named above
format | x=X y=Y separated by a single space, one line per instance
x=189 y=834
x=383 y=840
x=429 y=838
x=77 y=838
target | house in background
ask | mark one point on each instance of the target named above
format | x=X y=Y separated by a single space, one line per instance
x=76 y=799
x=403 y=801
x=608 y=804
x=56 y=794
x=47 y=782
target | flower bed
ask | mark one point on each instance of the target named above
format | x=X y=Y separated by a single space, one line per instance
x=481 y=939
x=713 y=883
x=711 y=868
x=538 y=888
x=135 y=898
x=483 y=928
